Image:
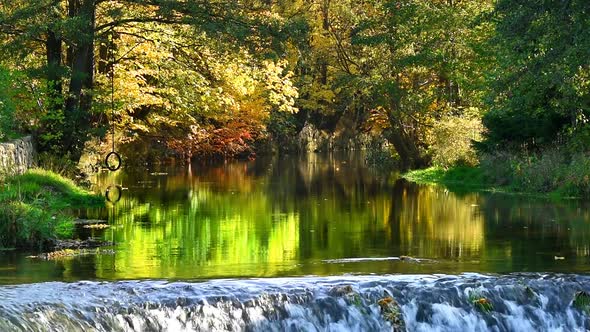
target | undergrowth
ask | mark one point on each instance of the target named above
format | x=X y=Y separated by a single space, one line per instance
x=33 y=208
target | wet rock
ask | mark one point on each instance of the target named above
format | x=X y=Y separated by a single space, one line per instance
x=89 y=221
x=391 y=312
x=582 y=301
x=481 y=302
x=341 y=290
x=409 y=259
x=348 y=293
x=97 y=226
x=80 y=244
x=71 y=253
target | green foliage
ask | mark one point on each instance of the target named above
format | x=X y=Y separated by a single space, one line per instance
x=283 y=127
x=6 y=106
x=551 y=171
x=32 y=208
x=47 y=188
x=23 y=225
x=548 y=171
x=452 y=139
x=178 y=66
x=540 y=82
x=211 y=79
x=11 y=95
x=62 y=165
x=432 y=67
x=458 y=176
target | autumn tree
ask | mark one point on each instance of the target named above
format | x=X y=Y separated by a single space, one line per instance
x=430 y=67
x=62 y=38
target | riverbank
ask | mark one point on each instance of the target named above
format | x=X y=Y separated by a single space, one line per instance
x=464 y=178
x=34 y=208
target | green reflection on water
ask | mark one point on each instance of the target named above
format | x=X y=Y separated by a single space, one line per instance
x=292 y=216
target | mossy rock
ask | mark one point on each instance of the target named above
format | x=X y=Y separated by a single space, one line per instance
x=391 y=312
x=582 y=301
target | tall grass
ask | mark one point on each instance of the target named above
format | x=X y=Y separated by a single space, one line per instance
x=551 y=171
x=32 y=208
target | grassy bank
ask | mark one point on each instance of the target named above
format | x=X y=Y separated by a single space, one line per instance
x=472 y=177
x=463 y=178
x=33 y=208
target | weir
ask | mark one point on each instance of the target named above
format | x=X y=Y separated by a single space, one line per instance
x=521 y=302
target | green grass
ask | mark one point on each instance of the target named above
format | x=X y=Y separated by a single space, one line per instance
x=461 y=176
x=465 y=178
x=33 y=205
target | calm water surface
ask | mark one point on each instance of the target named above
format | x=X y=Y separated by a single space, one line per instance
x=312 y=215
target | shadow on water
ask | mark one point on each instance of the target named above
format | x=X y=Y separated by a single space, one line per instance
x=312 y=215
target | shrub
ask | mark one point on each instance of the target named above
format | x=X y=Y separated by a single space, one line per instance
x=546 y=171
x=24 y=225
x=452 y=141
x=62 y=165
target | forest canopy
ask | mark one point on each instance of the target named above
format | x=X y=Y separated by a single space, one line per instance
x=220 y=78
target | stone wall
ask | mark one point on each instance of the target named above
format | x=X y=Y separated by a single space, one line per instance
x=17 y=156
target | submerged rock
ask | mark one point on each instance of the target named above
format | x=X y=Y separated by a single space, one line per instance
x=97 y=226
x=71 y=253
x=80 y=244
x=89 y=221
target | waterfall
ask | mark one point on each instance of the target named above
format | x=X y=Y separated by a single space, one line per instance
x=519 y=302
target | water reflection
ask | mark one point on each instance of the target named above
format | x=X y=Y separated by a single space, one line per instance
x=291 y=216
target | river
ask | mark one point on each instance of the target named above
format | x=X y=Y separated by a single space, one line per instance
x=262 y=245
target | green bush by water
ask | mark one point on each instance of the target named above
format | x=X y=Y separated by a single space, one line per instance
x=550 y=172
x=32 y=208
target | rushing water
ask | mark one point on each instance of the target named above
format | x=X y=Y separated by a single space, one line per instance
x=428 y=303
x=305 y=225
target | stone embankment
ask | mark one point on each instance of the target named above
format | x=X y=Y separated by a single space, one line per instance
x=17 y=156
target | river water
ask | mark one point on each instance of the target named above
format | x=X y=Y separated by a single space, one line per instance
x=262 y=245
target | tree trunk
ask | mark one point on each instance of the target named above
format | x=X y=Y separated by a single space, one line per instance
x=54 y=104
x=404 y=143
x=79 y=101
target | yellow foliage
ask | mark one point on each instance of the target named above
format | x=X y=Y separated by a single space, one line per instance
x=452 y=138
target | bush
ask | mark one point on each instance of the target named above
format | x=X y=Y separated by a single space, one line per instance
x=546 y=171
x=24 y=225
x=452 y=141
x=62 y=165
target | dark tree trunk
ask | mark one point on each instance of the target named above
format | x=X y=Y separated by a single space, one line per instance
x=79 y=101
x=54 y=102
x=403 y=142
x=326 y=29
x=54 y=71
